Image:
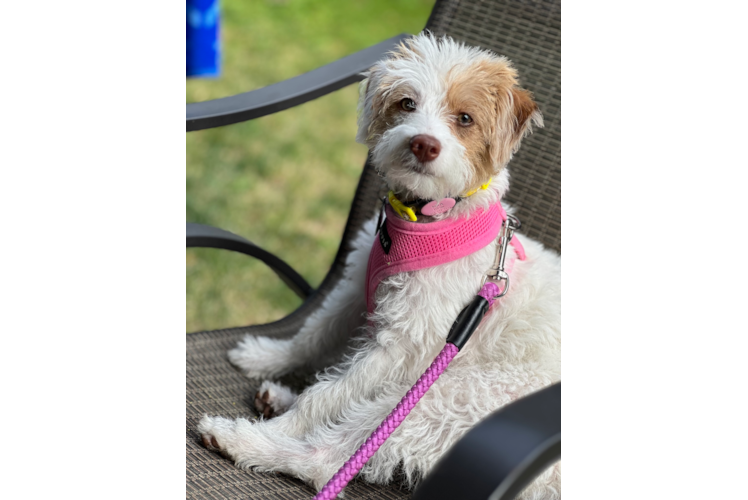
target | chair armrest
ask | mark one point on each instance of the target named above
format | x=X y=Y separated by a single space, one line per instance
x=288 y=93
x=505 y=452
x=502 y=454
x=200 y=235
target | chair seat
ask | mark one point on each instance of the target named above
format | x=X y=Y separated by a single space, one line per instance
x=215 y=387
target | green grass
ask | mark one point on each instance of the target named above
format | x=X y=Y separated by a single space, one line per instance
x=284 y=181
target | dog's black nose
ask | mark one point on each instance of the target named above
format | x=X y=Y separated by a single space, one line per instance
x=425 y=147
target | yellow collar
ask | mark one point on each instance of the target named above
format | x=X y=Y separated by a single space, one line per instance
x=409 y=212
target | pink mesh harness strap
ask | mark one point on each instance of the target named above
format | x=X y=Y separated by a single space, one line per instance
x=414 y=246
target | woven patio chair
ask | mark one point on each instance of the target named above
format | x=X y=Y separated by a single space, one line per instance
x=507 y=450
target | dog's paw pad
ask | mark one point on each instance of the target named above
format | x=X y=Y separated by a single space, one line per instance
x=210 y=442
x=262 y=405
x=273 y=399
x=216 y=433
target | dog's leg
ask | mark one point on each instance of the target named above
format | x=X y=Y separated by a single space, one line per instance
x=322 y=339
x=327 y=423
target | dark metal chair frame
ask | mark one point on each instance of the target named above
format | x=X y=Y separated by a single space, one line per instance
x=502 y=454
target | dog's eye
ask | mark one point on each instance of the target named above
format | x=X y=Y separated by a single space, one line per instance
x=465 y=119
x=408 y=104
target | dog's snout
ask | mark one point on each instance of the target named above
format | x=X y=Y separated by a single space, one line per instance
x=425 y=147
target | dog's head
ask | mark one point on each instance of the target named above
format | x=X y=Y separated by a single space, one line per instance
x=441 y=118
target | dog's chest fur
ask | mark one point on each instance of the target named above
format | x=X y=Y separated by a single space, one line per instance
x=521 y=334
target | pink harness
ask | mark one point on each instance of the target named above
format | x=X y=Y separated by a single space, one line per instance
x=408 y=246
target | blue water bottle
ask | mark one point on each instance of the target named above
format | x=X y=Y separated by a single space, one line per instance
x=203 y=46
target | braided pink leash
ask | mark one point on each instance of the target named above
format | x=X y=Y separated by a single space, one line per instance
x=489 y=291
x=393 y=420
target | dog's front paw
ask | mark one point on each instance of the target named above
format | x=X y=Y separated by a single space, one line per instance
x=273 y=399
x=248 y=443
x=216 y=432
x=261 y=357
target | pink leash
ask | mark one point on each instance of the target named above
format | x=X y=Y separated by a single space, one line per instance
x=477 y=309
x=393 y=420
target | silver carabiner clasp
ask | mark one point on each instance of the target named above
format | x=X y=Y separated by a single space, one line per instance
x=496 y=272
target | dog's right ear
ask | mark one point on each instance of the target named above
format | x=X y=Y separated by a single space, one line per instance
x=366 y=104
x=371 y=102
x=364 y=109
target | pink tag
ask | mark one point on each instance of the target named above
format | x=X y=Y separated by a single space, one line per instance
x=438 y=206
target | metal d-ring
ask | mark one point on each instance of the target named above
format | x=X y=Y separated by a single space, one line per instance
x=505 y=289
x=504 y=278
x=514 y=222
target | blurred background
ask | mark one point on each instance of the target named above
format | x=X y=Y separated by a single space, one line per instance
x=284 y=181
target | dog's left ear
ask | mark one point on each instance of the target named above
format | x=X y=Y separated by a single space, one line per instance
x=526 y=114
x=517 y=113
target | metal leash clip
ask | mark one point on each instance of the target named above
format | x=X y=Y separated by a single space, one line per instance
x=496 y=272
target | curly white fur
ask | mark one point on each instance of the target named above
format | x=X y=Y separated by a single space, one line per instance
x=514 y=352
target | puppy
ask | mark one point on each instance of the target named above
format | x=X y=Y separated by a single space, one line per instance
x=441 y=120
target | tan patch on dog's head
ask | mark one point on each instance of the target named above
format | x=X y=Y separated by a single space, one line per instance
x=501 y=114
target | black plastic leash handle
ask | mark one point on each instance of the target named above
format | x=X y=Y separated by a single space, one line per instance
x=467 y=321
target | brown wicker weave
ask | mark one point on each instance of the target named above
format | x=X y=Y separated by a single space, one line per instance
x=529 y=33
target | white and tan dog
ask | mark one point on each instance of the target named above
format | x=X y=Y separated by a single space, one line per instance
x=440 y=119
